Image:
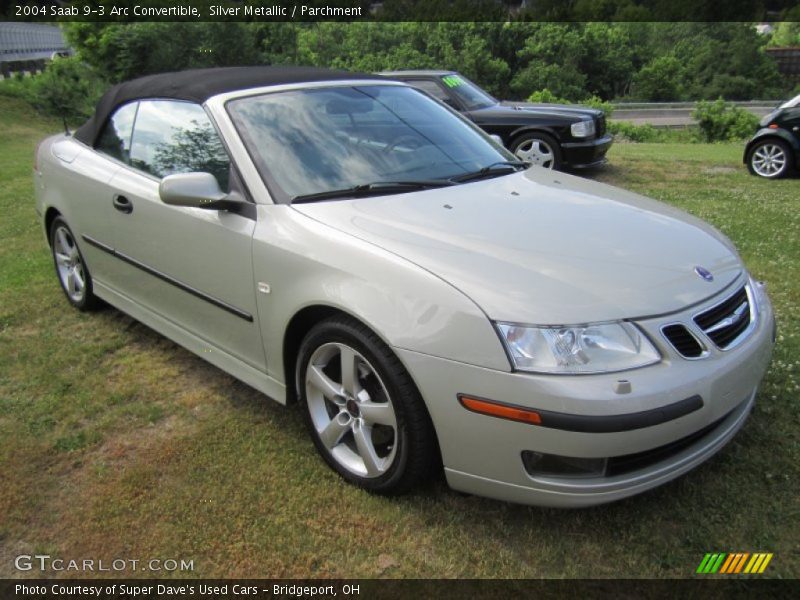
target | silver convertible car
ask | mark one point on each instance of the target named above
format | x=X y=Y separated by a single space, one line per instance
x=347 y=242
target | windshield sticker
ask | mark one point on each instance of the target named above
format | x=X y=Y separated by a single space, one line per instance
x=452 y=81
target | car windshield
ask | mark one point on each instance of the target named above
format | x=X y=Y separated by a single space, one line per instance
x=316 y=141
x=470 y=94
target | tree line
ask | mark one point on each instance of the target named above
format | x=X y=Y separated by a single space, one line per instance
x=612 y=61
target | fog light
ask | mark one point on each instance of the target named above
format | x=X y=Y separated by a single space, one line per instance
x=552 y=465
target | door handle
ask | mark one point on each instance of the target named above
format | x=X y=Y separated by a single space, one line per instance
x=122 y=204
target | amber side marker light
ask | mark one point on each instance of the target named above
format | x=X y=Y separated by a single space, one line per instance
x=503 y=411
x=773 y=126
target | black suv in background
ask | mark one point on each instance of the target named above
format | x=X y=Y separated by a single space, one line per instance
x=549 y=135
x=774 y=151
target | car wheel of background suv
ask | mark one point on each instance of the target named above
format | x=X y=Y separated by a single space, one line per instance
x=538 y=149
x=771 y=158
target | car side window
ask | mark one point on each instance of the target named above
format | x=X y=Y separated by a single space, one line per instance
x=433 y=88
x=116 y=137
x=177 y=137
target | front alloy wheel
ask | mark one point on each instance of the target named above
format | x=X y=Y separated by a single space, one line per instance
x=363 y=412
x=770 y=159
x=351 y=410
x=538 y=149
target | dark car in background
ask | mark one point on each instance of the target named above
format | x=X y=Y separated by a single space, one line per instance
x=549 y=135
x=774 y=151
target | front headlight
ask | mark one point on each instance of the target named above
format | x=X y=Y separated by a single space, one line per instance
x=601 y=348
x=582 y=129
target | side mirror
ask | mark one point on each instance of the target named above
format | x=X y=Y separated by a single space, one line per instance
x=195 y=190
x=497 y=139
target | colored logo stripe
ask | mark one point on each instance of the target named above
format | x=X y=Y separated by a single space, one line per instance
x=758 y=563
x=728 y=562
x=734 y=563
x=711 y=562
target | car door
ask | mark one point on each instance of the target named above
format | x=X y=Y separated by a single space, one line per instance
x=85 y=183
x=191 y=266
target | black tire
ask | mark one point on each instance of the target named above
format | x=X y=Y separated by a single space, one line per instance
x=70 y=267
x=771 y=158
x=525 y=148
x=407 y=453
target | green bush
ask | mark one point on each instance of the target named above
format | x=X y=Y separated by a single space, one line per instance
x=66 y=88
x=545 y=96
x=14 y=86
x=660 y=80
x=635 y=133
x=629 y=132
x=719 y=121
x=596 y=102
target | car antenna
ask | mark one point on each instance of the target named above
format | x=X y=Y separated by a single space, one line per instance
x=66 y=127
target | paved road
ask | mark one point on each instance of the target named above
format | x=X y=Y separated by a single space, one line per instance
x=673 y=116
x=676 y=114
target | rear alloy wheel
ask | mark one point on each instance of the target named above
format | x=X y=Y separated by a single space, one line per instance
x=771 y=159
x=363 y=411
x=538 y=149
x=71 y=270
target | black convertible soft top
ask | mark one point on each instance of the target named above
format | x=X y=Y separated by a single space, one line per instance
x=198 y=85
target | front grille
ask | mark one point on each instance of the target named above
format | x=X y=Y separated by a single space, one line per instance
x=728 y=320
x=600 y=125
x=619 y=465
x=683 y=341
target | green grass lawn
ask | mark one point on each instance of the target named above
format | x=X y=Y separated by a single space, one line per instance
x=115 y=442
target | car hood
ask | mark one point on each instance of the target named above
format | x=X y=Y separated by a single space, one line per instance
x=546 y=248
x=791 y=103
x=563 y=110
x=549 y=113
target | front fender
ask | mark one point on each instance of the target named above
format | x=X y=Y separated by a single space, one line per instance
x=523 y=129
x=307 y=263
x=766 y=132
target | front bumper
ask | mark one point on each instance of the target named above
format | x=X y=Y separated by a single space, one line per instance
x=583 y=155
x=483 y=455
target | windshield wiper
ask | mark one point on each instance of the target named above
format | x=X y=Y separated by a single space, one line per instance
x=376 y=188
x=491 y=170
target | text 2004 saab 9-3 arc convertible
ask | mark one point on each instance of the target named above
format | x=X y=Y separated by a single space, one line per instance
x=346 y=241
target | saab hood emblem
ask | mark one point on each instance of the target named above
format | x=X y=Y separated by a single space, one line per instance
x=704 y=274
